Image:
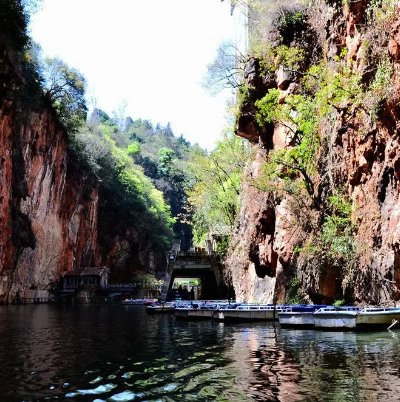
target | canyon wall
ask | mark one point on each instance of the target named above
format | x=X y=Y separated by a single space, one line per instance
x=361 y=157
x=50 y=208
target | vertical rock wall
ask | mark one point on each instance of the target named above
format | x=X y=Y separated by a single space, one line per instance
x=366 y=165
x=58 y=209
x=49 y=206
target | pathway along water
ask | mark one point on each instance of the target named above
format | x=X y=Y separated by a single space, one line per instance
x=120 y=353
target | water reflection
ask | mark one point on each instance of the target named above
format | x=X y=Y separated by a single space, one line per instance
x=307 y=365
x=119 y=353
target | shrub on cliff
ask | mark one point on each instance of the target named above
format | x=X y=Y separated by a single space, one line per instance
x=285 y=21
x=13 y=25
x=65 y=87
x=273 y=20
x=333 y=247
x=16 y=45
x=217 y=178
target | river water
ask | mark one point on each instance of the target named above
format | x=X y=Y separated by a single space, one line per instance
x=121 y=353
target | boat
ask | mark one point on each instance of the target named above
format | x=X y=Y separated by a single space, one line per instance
x=377 y=317
x=299 y=316
x=336 y=317
x=138 y=301
x=249 y=312
x=167 y=307
x=193 y=313
x=218 y=313
x=198 y=311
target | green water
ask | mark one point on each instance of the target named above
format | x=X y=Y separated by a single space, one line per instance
x=120 y=353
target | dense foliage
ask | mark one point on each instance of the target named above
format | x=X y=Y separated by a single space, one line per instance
x=292 y=84
x=139 y=167
x=124 y=184
x=216 y=192
x=14 y=17
x=326 y=88
x=65 y=87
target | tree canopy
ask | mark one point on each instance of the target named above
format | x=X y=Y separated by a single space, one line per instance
x=141 y=169
x=217 y=178
x=65 y=87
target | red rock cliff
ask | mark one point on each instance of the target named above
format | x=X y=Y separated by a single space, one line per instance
x=49 y=206
x=263 y=258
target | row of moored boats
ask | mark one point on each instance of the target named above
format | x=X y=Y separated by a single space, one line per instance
x=314 y=316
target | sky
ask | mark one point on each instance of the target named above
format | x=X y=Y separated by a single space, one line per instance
x=151 y=54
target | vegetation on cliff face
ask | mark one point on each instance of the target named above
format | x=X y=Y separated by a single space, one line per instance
x=214 y=198
x=13 y=24
x=140 y=168
x=15 y=41
x=65 y=88
x=301 y=88
x=326 y=89
x=124 y=185
x=298 y=83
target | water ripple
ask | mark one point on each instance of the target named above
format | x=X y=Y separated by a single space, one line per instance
x=112 y=354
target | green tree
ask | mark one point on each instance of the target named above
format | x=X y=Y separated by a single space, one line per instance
x=216 y=181
x=13 y=25
x=165 y=156
x=65 y=87
x=133 y=149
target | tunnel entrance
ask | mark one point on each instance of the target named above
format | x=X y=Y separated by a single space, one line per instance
x=186 y=288
x=192 y=277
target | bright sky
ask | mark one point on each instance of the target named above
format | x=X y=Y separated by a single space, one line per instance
x=150 y=53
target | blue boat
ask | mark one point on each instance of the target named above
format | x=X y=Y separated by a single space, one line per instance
x=344 y=317
x=299 y=316
x=249 y=312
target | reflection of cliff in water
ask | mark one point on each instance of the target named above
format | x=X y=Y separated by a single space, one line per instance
x=347 y=366
x=266 y=370
x=307 y=365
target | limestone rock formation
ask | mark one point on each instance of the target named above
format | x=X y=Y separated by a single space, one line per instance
x=50 y=208
x=263 y=258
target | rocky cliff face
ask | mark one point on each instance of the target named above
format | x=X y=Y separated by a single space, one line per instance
x=50 y=208
x=363 y=160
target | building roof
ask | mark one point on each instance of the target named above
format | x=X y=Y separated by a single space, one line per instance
x=88 y=271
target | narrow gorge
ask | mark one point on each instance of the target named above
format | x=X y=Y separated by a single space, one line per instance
x=319 y=213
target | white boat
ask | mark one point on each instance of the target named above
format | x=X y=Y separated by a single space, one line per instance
x=298 y=316
x=336 y=318
x=258 y=312
x=377 y=316
x=161 y=308
x=193 y=313
x=138 y=301
x=201 y=310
